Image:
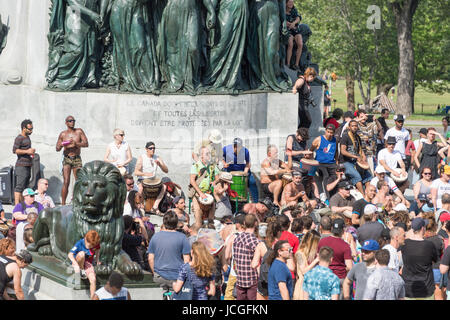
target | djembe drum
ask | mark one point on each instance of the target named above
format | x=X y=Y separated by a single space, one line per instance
x=151 y=189
x=239 y=185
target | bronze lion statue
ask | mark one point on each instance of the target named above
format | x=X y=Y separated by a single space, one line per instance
x=98 y=199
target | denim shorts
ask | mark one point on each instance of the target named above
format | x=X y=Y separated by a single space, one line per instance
x=437 y=277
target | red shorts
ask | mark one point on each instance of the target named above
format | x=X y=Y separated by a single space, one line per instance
x=88 y=268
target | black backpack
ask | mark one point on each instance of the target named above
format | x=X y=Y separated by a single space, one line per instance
x=263 y=280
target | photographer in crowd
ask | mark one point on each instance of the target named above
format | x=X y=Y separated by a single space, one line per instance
x=133 y=241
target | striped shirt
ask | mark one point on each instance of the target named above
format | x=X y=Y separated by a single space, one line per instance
x=22 y=143
x=243 y=250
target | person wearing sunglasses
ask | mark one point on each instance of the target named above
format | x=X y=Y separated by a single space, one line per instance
x=72 y=140
x=22 y=209
x=118 y=152
x=146 y=168
x=22 y=170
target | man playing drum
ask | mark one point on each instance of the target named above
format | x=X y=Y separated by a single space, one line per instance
x=296 y=146
x=294 y=192
x=353 y=158
x=203 y=173
x=236 y=158
x=272 y=169
x=391 y=160
x=146 y=167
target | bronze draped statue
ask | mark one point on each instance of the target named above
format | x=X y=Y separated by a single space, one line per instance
x=98 y=200
x=168 y=46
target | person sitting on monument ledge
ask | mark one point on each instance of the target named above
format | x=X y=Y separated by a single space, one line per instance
x=146 y=168
x=296 y=147
x=214 y=145
x=22 y=209
x=72 y=140
x=41 y=196
x=82 y=258
x=118 y=152
x=236 y=157
x=271 y=170
x=294 y=192
x=113 y=289
x=202 y=175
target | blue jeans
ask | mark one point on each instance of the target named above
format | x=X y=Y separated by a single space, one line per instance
x=354 y=174
x=253 y=188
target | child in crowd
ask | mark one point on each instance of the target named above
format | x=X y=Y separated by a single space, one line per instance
x=113 y=289
x=82 y=257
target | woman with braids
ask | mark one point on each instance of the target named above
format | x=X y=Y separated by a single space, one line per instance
x=353 y=158
x=199 y=271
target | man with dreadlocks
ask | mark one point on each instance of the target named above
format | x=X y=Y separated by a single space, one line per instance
x=353 y=157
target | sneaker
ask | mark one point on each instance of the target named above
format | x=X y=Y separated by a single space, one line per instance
x=83 y=274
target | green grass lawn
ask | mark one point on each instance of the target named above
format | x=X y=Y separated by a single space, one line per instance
x=428 y=99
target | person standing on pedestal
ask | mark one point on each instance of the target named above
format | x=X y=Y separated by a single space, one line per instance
x=303 y=87
x=22 y=148
x=118 y=152
x=72 y=140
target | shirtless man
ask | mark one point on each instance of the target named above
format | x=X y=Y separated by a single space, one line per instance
x=72 y=140
x=272 y=169
x=294 y=191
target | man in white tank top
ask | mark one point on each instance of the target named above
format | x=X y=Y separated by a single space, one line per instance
x=146 y=167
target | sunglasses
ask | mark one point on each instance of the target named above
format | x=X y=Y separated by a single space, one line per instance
x=30 y=129
x=151 y=148
x=121 y=134
x=289 y=250
x=70 y=120
x=130 y=184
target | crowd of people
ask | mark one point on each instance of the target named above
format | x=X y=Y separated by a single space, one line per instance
x=328 y=221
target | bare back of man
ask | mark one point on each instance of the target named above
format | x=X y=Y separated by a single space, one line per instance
x=72 y=140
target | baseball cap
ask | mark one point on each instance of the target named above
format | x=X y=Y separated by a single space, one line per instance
x=267 y=202
x=370 y=209
x=423 y=131
x=338 y=225
x=418 y=223
x=330 y=127
x=370 y=245
x=391 y=140
x=400 y=207
x=345 y=184
x=399 y=117
x=237 y=141
x=422 y=197
x=446 y=169
x=380 y=169
x=296 y=172
x=28 y=192
x=445 y=216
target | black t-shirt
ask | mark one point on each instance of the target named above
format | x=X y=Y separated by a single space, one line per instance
x=438 y=243
x=130 y=243
x=446 y=259
x=418 y=257
x=358 y=207
x=330 y=180
x=22 y=143
x=353 y=149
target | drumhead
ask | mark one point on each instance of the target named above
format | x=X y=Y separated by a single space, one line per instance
x=310 y=162
x=237 y=173
x=151 y=182
x=401 y=178
x=207 y=201
x=364 y=166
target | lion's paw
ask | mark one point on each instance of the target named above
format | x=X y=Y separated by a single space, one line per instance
x=103 y=270
x=45 y=250
x=130 y=268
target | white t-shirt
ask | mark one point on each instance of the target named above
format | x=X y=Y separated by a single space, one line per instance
x=102 y=294
x=20 y=243
x=401 y=136
x=128 y=211
x=395 y=261
x=391 y=159
x=388 y=179
x=149 y=165
x=442 y=188
x=118 y=154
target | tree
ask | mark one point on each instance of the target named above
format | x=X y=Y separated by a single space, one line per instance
x=404 y=11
